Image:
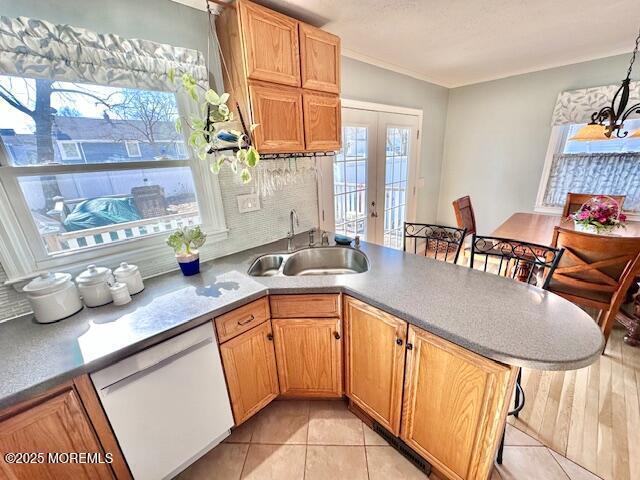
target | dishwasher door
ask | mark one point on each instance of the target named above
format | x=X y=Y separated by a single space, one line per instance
x=168 y=405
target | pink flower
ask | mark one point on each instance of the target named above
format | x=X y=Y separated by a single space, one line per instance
x=622 y=217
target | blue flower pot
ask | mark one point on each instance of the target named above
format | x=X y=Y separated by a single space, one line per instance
x=189 y=265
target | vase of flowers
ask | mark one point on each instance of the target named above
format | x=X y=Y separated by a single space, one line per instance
x=185 y=243
x=600 y=215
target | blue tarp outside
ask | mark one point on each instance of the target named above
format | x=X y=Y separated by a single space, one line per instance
x=99 y=212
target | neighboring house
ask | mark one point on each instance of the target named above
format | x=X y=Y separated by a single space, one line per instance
x=90 y=140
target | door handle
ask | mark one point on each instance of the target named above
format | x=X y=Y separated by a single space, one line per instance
x=374 y=212
x=249 y=319
x=270 y=337
x=336 y=335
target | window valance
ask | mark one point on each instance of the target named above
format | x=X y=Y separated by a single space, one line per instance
x=577 y=106
x=40 y=49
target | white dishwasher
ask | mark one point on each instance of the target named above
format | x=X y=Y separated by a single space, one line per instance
x=168 y=405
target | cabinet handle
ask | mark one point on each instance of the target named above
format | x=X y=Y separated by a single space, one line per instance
x=409 y=346
x=337 y=335
x=249 y=319
x=399 y=341
x=270 y=336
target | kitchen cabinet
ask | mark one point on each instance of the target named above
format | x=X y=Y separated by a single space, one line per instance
x=278 y=111
x=323 y=305
x=374 y=356
x=320 y=59
x=454 y=405
x=250 y=369
x=271 y=45
x=235 y=322
x=309 y=356
x=55 y=422
x=322 y=121
x=264 y=54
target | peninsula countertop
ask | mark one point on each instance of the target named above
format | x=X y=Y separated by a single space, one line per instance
x=496 y=317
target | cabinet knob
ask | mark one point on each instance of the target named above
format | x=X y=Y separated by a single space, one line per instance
x=270 y=336
x=399 y=341
x=409 y=346
x=336 y=335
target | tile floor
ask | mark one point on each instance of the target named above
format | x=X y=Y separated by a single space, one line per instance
x=321 y=440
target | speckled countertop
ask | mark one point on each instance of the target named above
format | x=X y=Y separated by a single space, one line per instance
x=496 y=317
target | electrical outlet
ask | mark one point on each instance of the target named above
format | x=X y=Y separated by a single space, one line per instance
x=248 y=203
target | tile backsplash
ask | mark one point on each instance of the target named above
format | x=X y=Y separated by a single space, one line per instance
x=246 y=230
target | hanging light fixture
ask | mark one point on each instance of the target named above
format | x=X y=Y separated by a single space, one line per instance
x=610 y=119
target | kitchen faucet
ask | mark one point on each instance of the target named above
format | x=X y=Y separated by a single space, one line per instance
x=292 y=231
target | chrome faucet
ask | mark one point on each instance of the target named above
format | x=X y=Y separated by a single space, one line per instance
x=292 y=230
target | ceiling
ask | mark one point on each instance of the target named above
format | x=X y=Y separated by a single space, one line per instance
x=460 y=42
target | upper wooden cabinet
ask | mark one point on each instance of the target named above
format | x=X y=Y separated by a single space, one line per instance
x=271 y=46
x=374 y=356
x=278 y=110
x=264 y=54
x=320 y=59
x=452 y=398
x=309 y=356
x=250 y=368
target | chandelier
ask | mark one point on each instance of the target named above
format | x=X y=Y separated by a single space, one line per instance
x=609 y=120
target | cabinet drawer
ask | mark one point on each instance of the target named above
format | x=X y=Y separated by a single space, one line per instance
x=305 y=306
x=241 y=319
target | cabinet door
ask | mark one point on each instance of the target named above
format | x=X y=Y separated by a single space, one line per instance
x=320 y=59
x=375 y=352
x=309 y=356
x=250 y=368
x=271 y=46
x=451 y=397
x=57 y=425
x=278 y=111
x=322 y=121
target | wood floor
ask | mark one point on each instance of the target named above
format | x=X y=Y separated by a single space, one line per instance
x=592 y=415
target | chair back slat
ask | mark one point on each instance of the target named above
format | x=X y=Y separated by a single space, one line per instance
x=435 y=241
x=575 y=200
x=465 y=217
x=525 y=262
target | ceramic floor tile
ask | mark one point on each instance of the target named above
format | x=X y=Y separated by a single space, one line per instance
x=529 y=463
x=331 y=423
x=372 y=438
x=335 y=463
x=222 y=463
x=385 y=463
x=243 y=433
x=274 y=462
x=573 y=470
x=516 y=437
x=283 y=421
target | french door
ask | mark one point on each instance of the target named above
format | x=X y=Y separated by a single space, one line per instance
x=370 y=188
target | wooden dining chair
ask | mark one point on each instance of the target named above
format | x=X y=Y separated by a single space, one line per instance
x=595 y=271
x=434 y=241
x=522 y=261
x=464 y=214
x=575 y=200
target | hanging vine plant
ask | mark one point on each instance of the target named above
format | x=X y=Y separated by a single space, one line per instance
x=214 y=129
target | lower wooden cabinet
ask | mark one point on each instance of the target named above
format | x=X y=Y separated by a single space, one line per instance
x=250 y=368
x=374 y=353
x=309 y=356
x=56 y=423
x=454 y=405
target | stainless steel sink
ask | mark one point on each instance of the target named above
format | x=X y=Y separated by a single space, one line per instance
x=311 y=261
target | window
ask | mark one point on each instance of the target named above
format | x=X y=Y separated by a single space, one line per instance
x=609 y=166
x=78 y=182
x=133 y=148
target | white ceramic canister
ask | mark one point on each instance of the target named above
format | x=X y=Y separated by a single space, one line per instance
x=94 y=285
x=53 y=296
x=120 y=293
x=129 y=275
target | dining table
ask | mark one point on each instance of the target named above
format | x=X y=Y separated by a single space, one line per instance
x=538 y=228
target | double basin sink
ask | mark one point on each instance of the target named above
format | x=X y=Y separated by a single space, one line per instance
x=311 y=261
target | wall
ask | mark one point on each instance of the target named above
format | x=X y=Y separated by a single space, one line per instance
x=497 y=135
x=362 y=81
x=168 y=22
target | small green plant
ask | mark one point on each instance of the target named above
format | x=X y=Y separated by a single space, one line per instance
x=205 y=137
x=187 y=239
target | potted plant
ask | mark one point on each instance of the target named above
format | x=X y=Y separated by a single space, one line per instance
x=601 y=214
x=185 y=243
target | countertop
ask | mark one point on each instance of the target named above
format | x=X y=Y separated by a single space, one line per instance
x=496 y=317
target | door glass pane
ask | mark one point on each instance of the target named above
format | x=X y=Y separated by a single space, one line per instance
x=395 y=185
x=350 y=182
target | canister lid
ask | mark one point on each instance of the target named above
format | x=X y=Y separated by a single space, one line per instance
x=93 y=275
x=124 y=270
x=47 y=282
